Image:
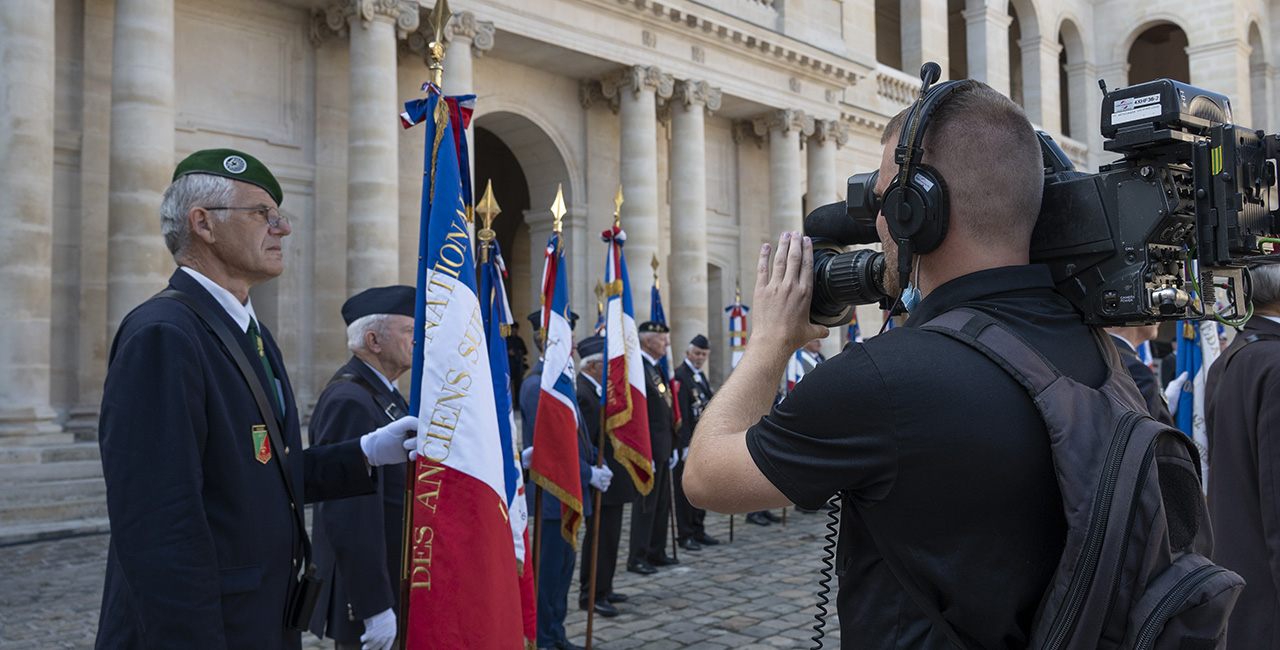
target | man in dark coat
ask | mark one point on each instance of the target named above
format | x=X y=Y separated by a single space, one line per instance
x=358 y=540
x=620 y=492
x=1161 y=403
x=649 y=513
x=555 y=566
x=693 y=393
x=1242 y=401
x=207 y=542
x=517 y=359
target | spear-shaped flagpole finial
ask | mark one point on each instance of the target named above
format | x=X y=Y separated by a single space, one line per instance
x=617 y=206
x=654 y=264
x=440 y=16
x=557 y=208
x=737 y=292
x=488 y=211
x=599 y=297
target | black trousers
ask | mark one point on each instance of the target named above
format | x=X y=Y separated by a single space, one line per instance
x=610 y=537
x=688 y=518
x=649 y=516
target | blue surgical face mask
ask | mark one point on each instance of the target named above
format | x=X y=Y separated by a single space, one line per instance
x=911 y=297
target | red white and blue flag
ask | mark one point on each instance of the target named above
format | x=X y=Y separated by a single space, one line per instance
x=555 y=464
x=462 y=556
x=496 y=311
x=737 y=330
x=623 y=398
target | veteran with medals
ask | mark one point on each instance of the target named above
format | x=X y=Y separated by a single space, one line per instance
x=200 y=439
x=357 y=540
x=693 y=394
x=649 y=513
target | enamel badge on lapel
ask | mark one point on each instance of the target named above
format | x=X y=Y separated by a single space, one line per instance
x=261 y=443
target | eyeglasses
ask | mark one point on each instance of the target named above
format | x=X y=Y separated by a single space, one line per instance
x=260 y=211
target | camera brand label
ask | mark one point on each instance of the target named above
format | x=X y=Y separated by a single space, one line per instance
x=1136 y=108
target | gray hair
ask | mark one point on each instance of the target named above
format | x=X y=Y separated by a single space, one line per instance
x=585 y=361
x=376 y=323
x=191 y=191
x=1266 y=284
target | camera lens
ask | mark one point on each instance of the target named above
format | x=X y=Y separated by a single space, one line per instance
x=842 y=280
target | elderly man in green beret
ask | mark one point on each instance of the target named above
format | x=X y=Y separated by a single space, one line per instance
x=199 y=432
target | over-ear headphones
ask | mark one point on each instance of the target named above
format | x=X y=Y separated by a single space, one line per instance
x=916 y=205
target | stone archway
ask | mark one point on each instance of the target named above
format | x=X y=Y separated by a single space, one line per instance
x=526 y=166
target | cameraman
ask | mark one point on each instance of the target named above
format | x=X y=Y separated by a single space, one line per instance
x=939 y=454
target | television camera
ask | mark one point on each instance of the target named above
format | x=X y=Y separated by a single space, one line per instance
x=1153 y=236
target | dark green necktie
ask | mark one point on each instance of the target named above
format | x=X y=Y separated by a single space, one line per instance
x=256 y=337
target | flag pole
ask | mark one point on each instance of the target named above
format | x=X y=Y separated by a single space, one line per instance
x=671 y=477
x=596 y=496
x=438 y=19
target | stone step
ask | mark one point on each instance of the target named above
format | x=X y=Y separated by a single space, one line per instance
x=38 y=530
x=61 y=471
x=48 y=512
x=49 y=454
x=52 y=492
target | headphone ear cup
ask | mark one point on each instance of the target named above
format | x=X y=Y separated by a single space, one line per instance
x=918 y=209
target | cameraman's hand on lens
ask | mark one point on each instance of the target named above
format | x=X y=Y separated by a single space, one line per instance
x=784 y=289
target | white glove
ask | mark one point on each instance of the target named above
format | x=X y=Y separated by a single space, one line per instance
x=684 y=454
x=379 y=631
x=1173 y=391
x=389 y=444
x=675 y=458
x=526 y=457
x=601 y=477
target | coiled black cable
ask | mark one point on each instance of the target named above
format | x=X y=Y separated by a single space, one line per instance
x=824 y=585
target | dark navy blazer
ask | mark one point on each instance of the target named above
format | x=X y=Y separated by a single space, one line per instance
x=203 y=542
x=357 y=540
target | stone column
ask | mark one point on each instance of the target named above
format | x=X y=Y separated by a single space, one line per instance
x=1040 y=93
x=142 y=157
x=826 y=186
x=1263 y=87
x=26 y=216
x=786 y=199
x=373 y=201
x=924 y=35
x=987 y=32
x=687 y=270
x=637 y=90
x=466 y=38
x=1223 y=67
x=1086 y=113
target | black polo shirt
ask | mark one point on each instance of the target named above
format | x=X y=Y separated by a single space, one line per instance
x=948 y=459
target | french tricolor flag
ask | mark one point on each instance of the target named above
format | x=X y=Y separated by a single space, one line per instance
x=462 y=557
x=625 y=407
x=555 y=464
x=737 y=329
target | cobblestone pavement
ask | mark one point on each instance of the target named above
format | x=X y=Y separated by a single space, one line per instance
x=756 y=593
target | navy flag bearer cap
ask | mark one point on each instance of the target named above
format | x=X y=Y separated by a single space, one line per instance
x=700 y=342
x=395 y=299
x=232 y=164
x=536 y=319
x=591 y=345
x=654 y=326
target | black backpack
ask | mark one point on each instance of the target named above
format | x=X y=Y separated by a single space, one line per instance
x=1135 y=572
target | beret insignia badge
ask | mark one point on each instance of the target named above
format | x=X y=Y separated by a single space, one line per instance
x=234 y=164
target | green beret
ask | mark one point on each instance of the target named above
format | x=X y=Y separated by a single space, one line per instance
x=233 y=164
